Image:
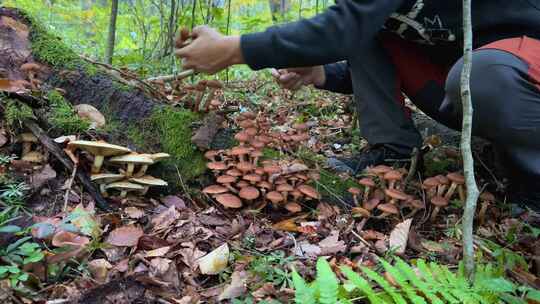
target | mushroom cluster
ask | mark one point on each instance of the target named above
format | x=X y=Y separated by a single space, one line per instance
x=127 y=179
x=241 y=176
x=199 y=98
x=31 y=71
x=384 y=194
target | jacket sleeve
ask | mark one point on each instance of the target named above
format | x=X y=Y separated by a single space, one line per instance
x=329 y=37
x=338 y=78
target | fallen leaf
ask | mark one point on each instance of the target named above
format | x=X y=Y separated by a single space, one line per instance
x=236 y=288
x=166 y=218
x=216 y=261
x=286 y=225
x=399 y=236
x=126 y=236
x=432 y=246
x=134 y=212
x=159 y=266
x=305 y=249
x=99 y=269
x=157 y=252
x=40 y=178
x=332 y=244
x=173 y=200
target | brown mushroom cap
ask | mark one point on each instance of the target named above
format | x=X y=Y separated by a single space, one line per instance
x=388 y=208
x=239 y=151
x=371 y=204
x=226 y=179
x=354 y=191
x=443 y=180
x=249 y=193
x=242 y=184
x=370 y=235
x=264 y=185
x=457 y=178
x=396 y=194
x=293 y=207
x=244 y=166
x=33 y=157
x=274 y=197
x=367 y=182
x=284 y=188
x=271 y=169
x=215 y=189
x=416 y=204
x=309 y=191
x=430 y=182
x=218 y=166
x=380 y=169
x=234 y=172
x=229 y=200
x=242 y=136
x=253 y=178
x=392 y=175
x=30 y=66
x=439 y=201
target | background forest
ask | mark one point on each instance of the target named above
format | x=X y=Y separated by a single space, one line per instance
x=145 y=28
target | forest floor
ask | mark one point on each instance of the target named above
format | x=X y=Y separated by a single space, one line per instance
x=150 y=249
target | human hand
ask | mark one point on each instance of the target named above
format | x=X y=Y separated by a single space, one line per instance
x=209 y=51
x=295 y=78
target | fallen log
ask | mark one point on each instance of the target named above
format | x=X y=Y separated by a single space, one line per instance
x=135 y=119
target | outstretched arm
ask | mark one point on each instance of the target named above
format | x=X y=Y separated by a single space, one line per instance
x=329 y=37
x=337 y=78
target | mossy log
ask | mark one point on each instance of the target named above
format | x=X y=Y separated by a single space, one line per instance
x=134 y=118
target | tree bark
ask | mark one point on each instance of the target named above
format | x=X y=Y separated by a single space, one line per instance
x=135 y=119
x=109 y=52
x=468 y=161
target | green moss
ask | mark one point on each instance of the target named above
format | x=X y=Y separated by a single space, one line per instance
x=269 y=153
x=169 y=130
x=331 y=185
x=62 y=115
x=50 y=49
x=15 y=112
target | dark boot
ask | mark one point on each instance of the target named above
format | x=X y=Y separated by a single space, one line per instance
x=371 y=156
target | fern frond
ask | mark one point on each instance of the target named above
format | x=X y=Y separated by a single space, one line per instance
x=435 y=285
x=361 y=284
x=385 y=285
x=417 y=282
x=304 y=294
x=403 y=283
x=327 y=283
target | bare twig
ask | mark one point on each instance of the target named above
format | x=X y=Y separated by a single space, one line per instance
x=468 y=161
x=69 y=186
x=166 y=78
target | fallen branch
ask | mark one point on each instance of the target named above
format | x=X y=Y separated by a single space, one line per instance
x=166 y=78
x=53 y=148
x=466 y=151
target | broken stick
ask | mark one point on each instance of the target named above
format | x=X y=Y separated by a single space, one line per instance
x=51 y=146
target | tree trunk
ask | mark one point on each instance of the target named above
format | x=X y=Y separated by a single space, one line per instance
x=468 y=161
x=134 y=118
x=112 y=33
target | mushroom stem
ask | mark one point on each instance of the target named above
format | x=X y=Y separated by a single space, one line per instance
x=434 y=214
x=450 y=191
x=391 y=184
x=440 y=190
x=461 y=192
x=355 y=200
x=123 y=194
x=130 y=168
x=27 y=147
x=98 y=162
x=366 y=194
x=145 y=190
x=142 y=171
x=482 y=212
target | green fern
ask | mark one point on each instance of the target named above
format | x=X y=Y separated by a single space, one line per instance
x=427 y=283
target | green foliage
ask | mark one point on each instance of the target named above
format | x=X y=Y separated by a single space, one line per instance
x=12 y=194
x=6 y=159
x=62 y=115
x=427 y=283
x=15 y=256
x=173 y=128
x=333 y=186
x=16 y=112
x=271 y=268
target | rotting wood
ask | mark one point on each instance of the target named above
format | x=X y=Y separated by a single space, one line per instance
x=53 y=148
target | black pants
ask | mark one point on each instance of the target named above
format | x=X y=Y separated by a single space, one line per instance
x=505 y=88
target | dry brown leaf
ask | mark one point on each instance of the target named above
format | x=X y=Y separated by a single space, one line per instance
x=286 y=225
x=166 y=218
x=126 y=236
x=134 y=212
x=158 y=252
x=399 y=236
x=237 y=287
x=332 y=244
x=99 y=269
